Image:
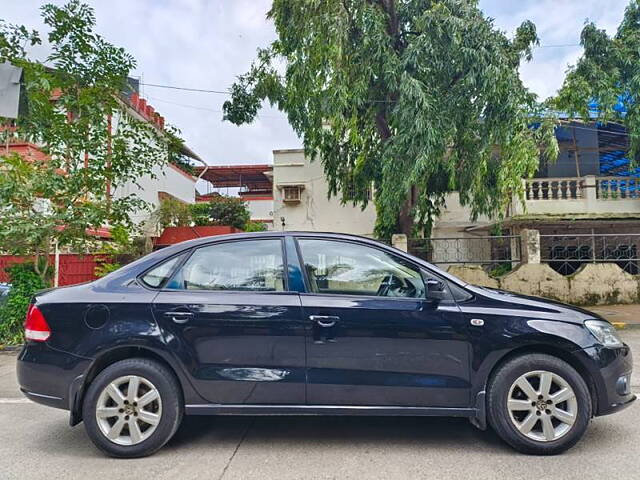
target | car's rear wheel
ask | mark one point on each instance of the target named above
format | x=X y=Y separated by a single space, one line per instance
x=132 y=408
x=539 y=404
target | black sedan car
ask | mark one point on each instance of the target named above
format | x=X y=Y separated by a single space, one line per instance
x=286 y=323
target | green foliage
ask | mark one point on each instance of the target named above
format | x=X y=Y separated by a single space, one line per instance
x=105 y=268
x=200 y=214
x=412 y=96
x=24 y=283
x=173 y=213
x=500 y=269
x=60 y=199
x=252 y=226
x=224 y=210
x=230 y=211
x=122 y=249
x=608 y=72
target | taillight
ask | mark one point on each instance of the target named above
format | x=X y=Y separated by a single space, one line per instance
x=35 y=326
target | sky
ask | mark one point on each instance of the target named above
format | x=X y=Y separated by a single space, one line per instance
x=205 y=44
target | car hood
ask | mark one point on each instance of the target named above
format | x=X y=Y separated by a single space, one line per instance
x=536 y=306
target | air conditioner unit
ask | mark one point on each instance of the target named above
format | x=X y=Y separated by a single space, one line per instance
x=291 y=193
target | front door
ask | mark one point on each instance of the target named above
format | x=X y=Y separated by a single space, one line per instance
x=229 y=317
x=373 y=338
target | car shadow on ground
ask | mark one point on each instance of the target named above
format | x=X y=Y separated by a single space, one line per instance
x=340 y=431
x=199 y=434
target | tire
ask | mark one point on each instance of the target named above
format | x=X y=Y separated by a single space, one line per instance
x=143 y=428
x=529 y=423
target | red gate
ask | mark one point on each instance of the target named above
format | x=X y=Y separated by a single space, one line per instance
x=74 y=268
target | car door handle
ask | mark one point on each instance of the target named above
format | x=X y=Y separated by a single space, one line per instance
x=324 y=320
x=179 y=316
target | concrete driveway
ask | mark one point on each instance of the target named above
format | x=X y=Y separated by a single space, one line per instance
x=37 y=443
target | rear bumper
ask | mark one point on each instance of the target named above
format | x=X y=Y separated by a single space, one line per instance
x=611 y=371
x=48 y=376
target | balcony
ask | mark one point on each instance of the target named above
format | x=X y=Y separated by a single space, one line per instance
x=588 y=195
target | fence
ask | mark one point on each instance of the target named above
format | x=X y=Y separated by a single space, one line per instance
x=563 y=253
x=566 y=253
x=73 y=268
x=485 y=250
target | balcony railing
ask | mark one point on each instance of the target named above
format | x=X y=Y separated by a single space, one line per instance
x=579 y=195
x=554 y=188
x=615 y=188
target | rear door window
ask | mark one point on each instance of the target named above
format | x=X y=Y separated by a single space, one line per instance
x=247 y=265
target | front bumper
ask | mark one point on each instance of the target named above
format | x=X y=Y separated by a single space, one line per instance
x=48 y=376
x=610 y=369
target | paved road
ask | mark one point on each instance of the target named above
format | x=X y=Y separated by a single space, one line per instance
x=37 y=443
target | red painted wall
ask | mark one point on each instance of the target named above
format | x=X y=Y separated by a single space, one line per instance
x=73 y=268
x=173 y=235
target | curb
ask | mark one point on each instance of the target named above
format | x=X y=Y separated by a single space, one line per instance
x=10 y=348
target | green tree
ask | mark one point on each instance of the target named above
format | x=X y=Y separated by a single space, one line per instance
x=417 y=97
x=608 y=73
x=77 y=116
x=224 y=210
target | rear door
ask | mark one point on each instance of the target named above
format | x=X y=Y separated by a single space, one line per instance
x=373 y=336
x=229 y=316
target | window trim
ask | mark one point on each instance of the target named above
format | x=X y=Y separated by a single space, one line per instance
x=417 y=268
x=234 y=240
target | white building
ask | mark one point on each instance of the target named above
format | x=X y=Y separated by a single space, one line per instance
x=301 y=199
x=165 y=181
x=291 y=194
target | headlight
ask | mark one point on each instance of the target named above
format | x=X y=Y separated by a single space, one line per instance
x=604 y=332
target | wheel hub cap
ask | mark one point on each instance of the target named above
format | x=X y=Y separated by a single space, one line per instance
x=542 y=405
x=129 y=410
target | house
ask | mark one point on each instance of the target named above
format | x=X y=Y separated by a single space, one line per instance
x=290 y=194
x=253 y=183
x=166 y=180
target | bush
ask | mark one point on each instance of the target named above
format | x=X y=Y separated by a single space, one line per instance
x=223 y=210
x=252 y=226
x=173 y=213
x=122 y=249
x=228 y=211
x=25 y=282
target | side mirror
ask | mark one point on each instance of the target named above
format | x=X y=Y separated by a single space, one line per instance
x=436 y=290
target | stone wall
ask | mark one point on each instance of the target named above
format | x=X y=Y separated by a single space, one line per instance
x=592 y=284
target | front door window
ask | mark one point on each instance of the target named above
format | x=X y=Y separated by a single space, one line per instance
x=345 y=268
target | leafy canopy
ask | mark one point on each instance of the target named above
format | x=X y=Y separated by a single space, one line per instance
x=77 y=117
x=607 y=74
x=417 y=97
x=222 y=210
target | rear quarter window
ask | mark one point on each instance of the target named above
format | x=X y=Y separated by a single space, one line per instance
x=158 y=275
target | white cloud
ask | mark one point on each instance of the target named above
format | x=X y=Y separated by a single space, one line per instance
x=558 y=22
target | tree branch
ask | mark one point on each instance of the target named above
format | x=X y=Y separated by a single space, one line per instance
x=383 y=126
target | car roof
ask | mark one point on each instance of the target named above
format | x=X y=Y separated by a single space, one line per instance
x=273 y=233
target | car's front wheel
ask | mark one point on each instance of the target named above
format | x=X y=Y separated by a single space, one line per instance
x=132 y=408
x=539 y=404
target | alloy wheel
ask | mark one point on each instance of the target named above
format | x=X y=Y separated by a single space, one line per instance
x=128 y=410
x=542 y=405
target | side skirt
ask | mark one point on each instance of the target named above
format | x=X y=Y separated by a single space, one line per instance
x=216 y=409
